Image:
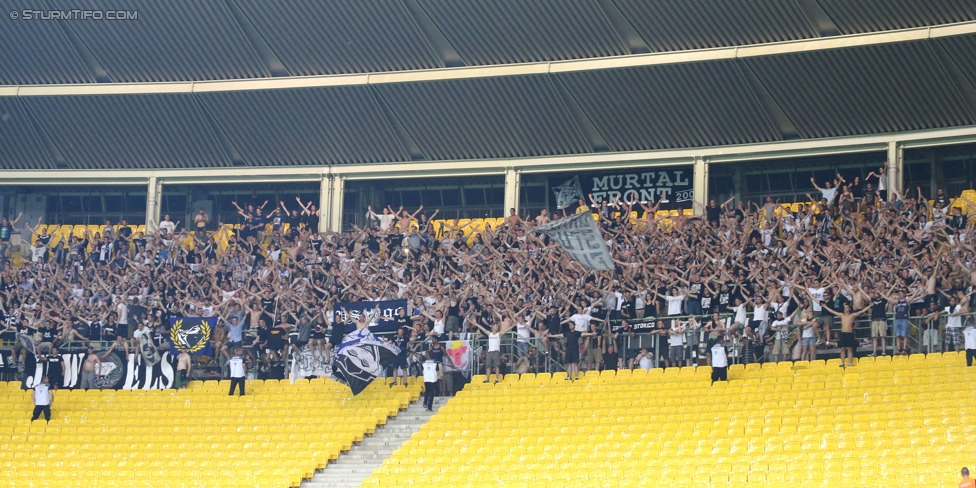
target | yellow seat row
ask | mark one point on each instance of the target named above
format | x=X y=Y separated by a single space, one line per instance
x=277 y=435
x=803 y=423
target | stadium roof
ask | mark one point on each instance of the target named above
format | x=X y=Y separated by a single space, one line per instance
x=712 y=97
x=234 y=39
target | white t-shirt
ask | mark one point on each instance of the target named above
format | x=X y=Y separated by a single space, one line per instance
x=969 y=336
x=147 y=332
x=646 y=362
x=779 y=307
x=439 y=327
x=236 y=366
x=785 y=326
x=719 y=359
x=817 y=293
x=829 y=194
x=385 y=220
x=522 y=331
x=759 y=313
x=42 y=394
x=168 y=225
x=809 y=333
x=740 y=314
x=676 y=339
x=619 y=300
x=954 y=321
x=674 y=304
x=430 y=371
x=581 y=322
x=123 y=310
x=494 y=342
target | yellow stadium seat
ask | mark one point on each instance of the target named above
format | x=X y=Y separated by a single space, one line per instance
x=127 y=438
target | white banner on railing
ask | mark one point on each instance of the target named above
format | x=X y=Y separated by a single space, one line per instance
x=580 y=238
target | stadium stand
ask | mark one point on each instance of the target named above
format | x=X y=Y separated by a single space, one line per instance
x=782 y=424
x=276 y=436
x=187 y=100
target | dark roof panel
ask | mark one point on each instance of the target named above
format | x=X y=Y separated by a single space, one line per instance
x=852 y=17
x=867 y=90
x=22 y=146
x=167 y=41
x=501 y=32
x=306 y=126
x=129 y=131
x=671 y=106
x=340 y=36
x=678 y=25
x=962 y=51
x=485 y=118
x=36 y=51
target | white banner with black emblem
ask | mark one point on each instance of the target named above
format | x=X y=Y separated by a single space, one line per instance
x=580 y=238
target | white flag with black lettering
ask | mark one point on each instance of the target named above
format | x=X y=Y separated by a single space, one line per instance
x=580 y=238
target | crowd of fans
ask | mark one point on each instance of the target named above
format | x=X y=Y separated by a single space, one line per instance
x=758 y=273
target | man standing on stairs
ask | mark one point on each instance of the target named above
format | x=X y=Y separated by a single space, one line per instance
x=430 y=383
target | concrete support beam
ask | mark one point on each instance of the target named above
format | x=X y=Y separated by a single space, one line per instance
x=512 y=176
x=338 y=189
x=700 y=184
x=325 y=202
x=154 y=196
x=896 y=168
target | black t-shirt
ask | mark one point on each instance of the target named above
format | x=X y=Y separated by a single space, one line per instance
x=437 y=354
x=879 y=309
x=276 y=338
x=373 y=244
x=706 y=303
x=553 y=324
x=572 y=339
x=55 y=368
x=712 y=214
x=901 y=309
x=5 y=232
x=696 y=289
x=628 y=308
x=48 y=333
x=94 y=331
x=338 y=332
x=108 y=331
x=402 y=322
x=268 y=304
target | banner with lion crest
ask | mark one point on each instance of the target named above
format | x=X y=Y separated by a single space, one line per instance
x=191 y=334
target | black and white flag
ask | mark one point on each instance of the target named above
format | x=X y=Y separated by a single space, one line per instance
x=580 y=238
x=360 y=358
x=568 y=192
